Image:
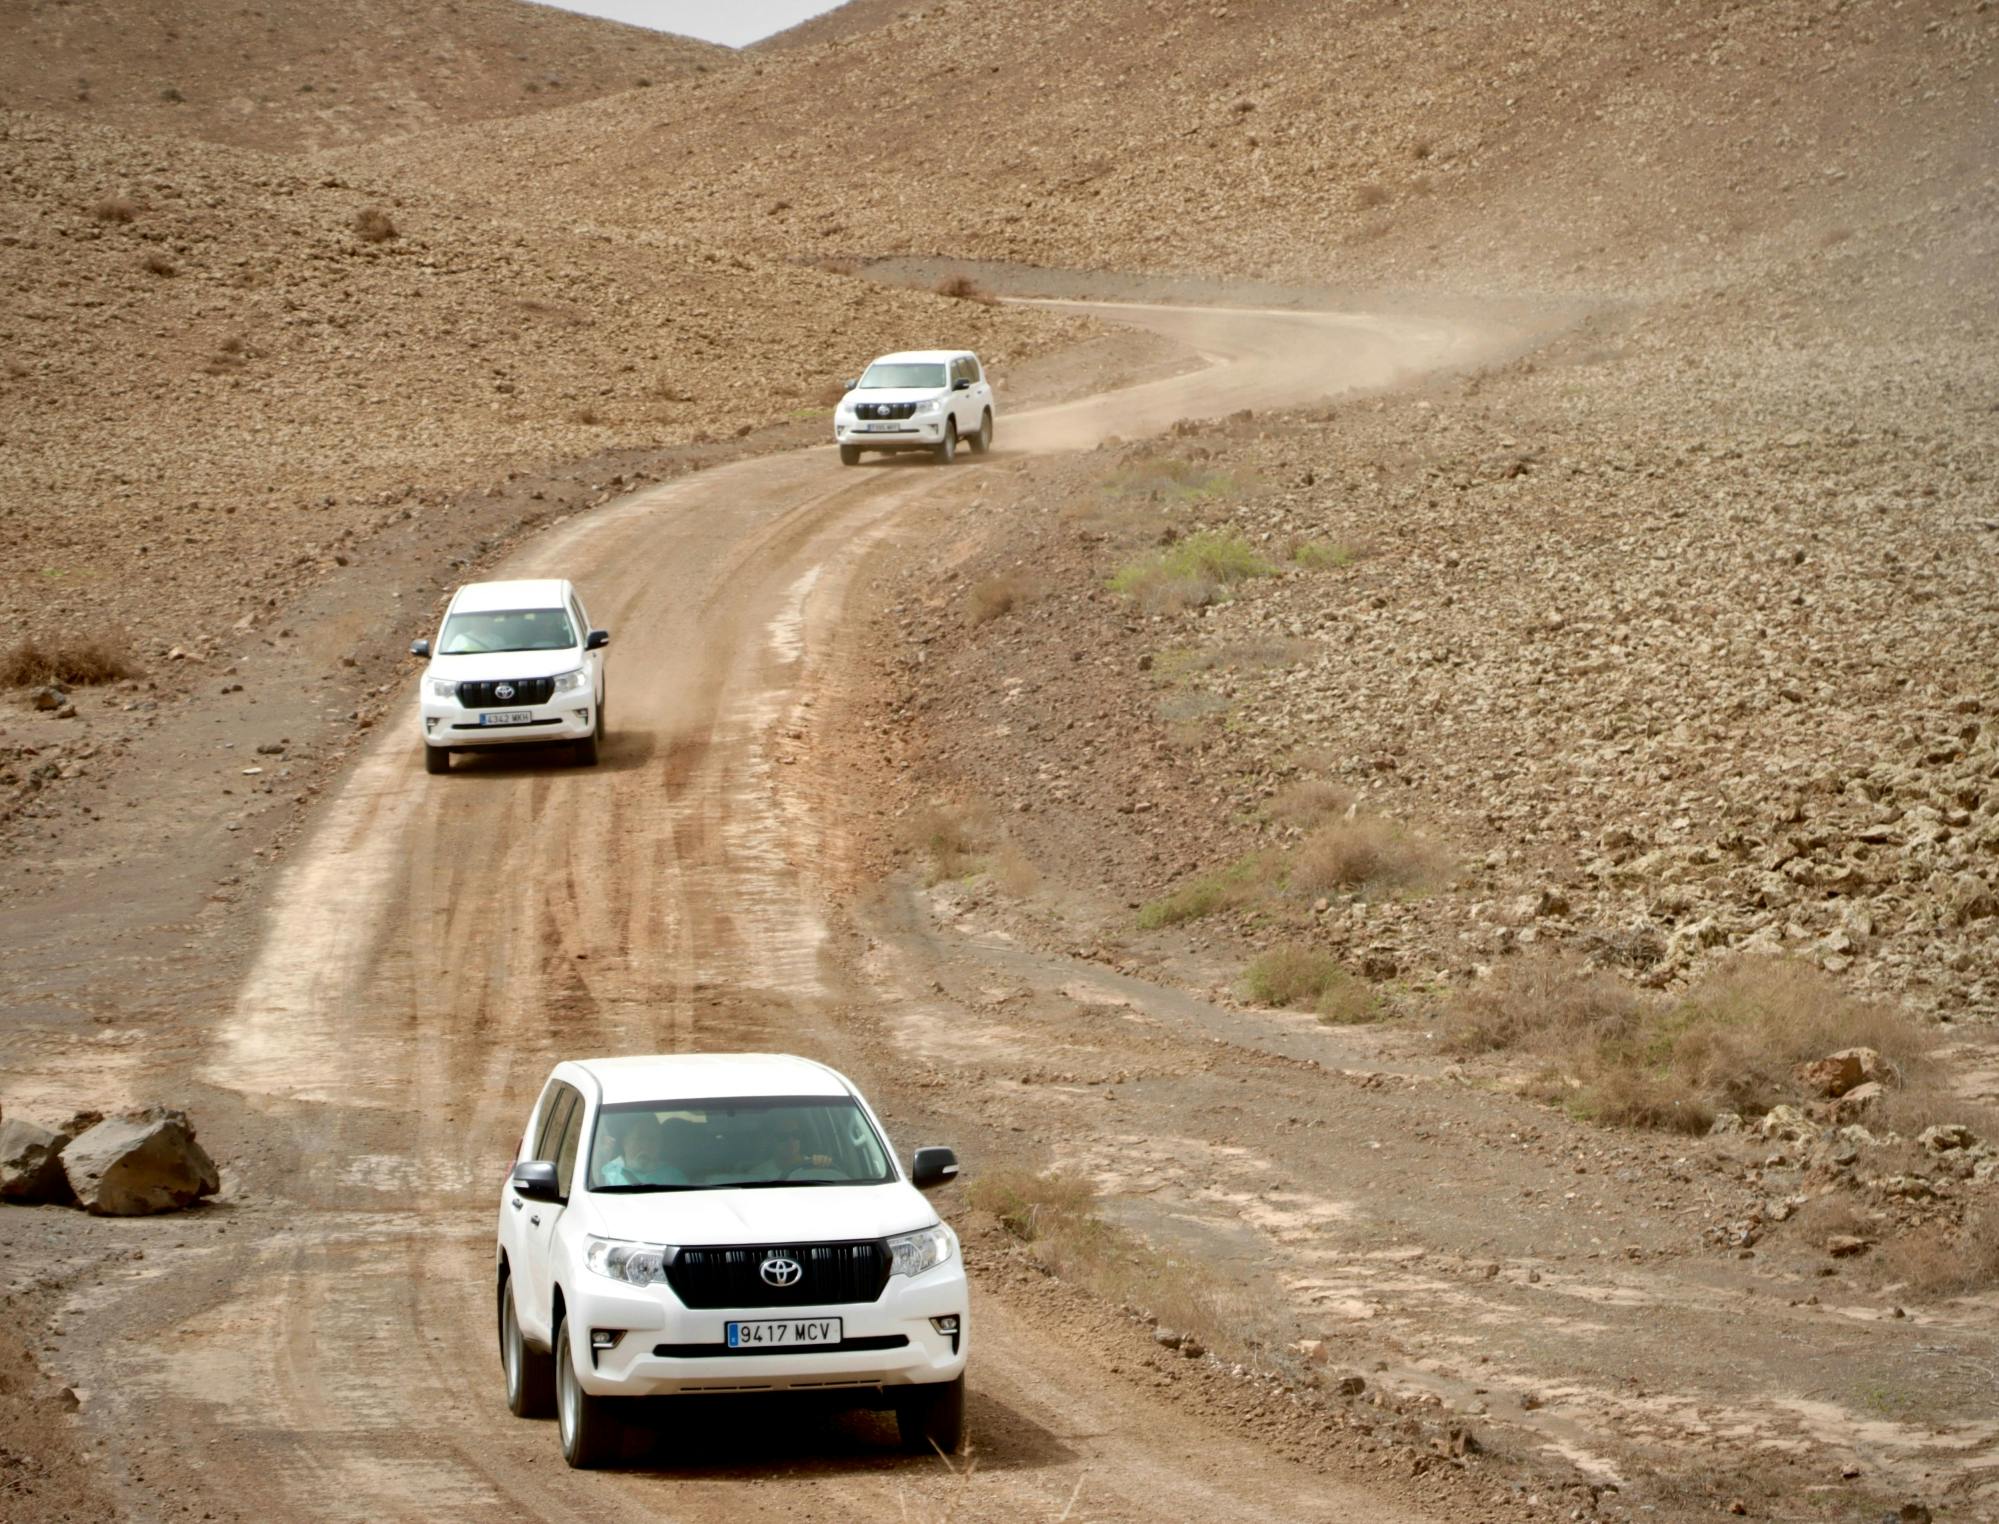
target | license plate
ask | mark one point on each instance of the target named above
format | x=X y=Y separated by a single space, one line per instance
x=778 y=1334
x=881 y=428
x=507 y=717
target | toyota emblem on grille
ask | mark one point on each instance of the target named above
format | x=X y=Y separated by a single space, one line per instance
x=778 y=1271
x=503 y=691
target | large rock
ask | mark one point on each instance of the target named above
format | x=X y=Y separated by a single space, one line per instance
x=137 y=1163
x=1848 y=1069
x=31 y=1163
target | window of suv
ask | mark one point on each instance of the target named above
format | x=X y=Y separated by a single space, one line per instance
x=506 y=630
x=736 y=1144
x=912 y=374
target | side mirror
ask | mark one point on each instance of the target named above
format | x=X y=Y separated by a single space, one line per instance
x=847 y=386
x=962 y=384
x=933 y=1167
x=537 y=1181
x=597 y=640
x=419 y=648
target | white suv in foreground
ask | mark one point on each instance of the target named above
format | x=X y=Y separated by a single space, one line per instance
x=717 y=1223
x=924 y=399
x=514 y=663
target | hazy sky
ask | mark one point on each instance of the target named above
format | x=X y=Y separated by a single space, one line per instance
x=734 y=22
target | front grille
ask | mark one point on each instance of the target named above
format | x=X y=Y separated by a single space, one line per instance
x=844 y=1347
x=833 y=1273
x=885 y=410
x=528 y=691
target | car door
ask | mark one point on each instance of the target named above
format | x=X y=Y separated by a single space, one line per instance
x=564 y=1118
x=594 y=660
x=964 y=405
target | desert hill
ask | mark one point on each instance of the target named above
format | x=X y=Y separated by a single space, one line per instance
x=216 y=365
x=303 y=74
x=1540 y=146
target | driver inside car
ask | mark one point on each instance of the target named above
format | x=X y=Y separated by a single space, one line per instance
x=641 y=1157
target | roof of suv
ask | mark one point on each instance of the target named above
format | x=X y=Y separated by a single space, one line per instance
x=707 y=1076
x=535 y=593
x=922 y=356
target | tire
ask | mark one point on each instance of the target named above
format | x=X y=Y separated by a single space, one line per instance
x=850 y=455
x=983 y=440
x=932 y=1416
x=435 y=759
x=588 y=748
x=590 y=1431
x=947 y=447
x=530 y=1373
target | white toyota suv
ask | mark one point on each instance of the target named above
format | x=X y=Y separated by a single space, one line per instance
x=514 y=663
x=924 y=399
x=723 y=1222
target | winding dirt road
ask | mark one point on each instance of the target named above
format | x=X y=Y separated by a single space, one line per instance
x=438 y=942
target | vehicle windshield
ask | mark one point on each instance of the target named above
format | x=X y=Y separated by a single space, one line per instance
x=736 y=1145
x=506 y=630
x=882 y=377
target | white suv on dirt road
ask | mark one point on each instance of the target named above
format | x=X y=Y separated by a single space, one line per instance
x=924 y=399
x=514 y=663
x=723 y=1222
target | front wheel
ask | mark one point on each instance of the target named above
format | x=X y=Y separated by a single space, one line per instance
x=436 y=759
x=589 y=1431
x=850 y=455
x=588 y=749
x=947 y=447
x=983 y=440
x=932 y=1416
x=530 y=1373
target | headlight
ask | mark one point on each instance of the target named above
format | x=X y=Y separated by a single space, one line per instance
x=573 y=682
x=441 y=687
x=914 y=1253
x=635 y=1264
x=929 y=409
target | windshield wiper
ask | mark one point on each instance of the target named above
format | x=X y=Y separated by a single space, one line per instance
x=637 y=1188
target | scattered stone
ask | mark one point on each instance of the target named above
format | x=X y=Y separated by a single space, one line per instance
x=1856 y=1101
x=31 y=1164
x=1836 y=1074
x=1845 y=1245
x=1945 y=1137
x=1167 y=1337
x=1351 y=1386
x=139 y=1163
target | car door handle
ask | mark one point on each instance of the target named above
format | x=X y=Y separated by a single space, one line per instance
x=536 y=1219
x=518 y=1203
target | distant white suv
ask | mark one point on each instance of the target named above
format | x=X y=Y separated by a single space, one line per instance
x=723 y=1222
x=513 y=663
x=925 y=399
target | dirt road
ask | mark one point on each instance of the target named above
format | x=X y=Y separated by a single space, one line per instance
x=437 y=943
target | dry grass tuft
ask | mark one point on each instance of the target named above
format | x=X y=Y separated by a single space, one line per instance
x=115 y=209
x=964 y=289
x=952 y=836
x=1014 y=872
x=1191 y=573
x=373 y=225
x=82 y=663
x=1734 y=1040
x=1243 y=882
x=159 y=264
x=985 y=601
x=1368 y=854
x=1934 y=1260
x=1309 y=802
x=1292 y=976
x=1322 y=555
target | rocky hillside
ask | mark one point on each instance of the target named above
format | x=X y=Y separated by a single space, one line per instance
x=303 y=74
x=218 y=367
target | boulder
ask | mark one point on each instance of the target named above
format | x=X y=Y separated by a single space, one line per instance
x=1785 y=1123
x=31 y=1163
x=138 y=1163
x=1837 y=1073
x=1847 y=1107
x=1944 y=1138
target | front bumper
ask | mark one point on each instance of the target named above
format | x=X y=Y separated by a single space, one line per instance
x=644 y=1321
x=447 y=723
x=899 y=434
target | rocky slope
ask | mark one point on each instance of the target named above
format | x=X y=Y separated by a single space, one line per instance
x=304 y=74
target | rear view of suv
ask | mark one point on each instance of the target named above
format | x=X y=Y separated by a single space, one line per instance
x=925 y=399
x=514 y=663
x=720 y=1223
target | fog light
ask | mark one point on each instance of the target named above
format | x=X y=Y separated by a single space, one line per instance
x=582 y=716
x=605 y=1338
x=945 y=1325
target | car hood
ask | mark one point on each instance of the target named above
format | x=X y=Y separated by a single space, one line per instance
x=490 y=666
x=808 y=1214
x=896 y=394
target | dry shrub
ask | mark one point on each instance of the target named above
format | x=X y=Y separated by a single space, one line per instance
x=1370 y=194
x=1292 y=976
x=1368 y=854
x=114 y=209
x=987 y=600
x=373 y=225
x=1735 y=1039
x=1835 y=1216
x=952 y=836
x=1190 y=573
x=1936 y=1260
x=159 y=264
x=79 y=662
x=588 y=416
x=1014 y=871
x=1243 y=882
x=1309 y=802
x=1322 y=555
x=963 y=288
